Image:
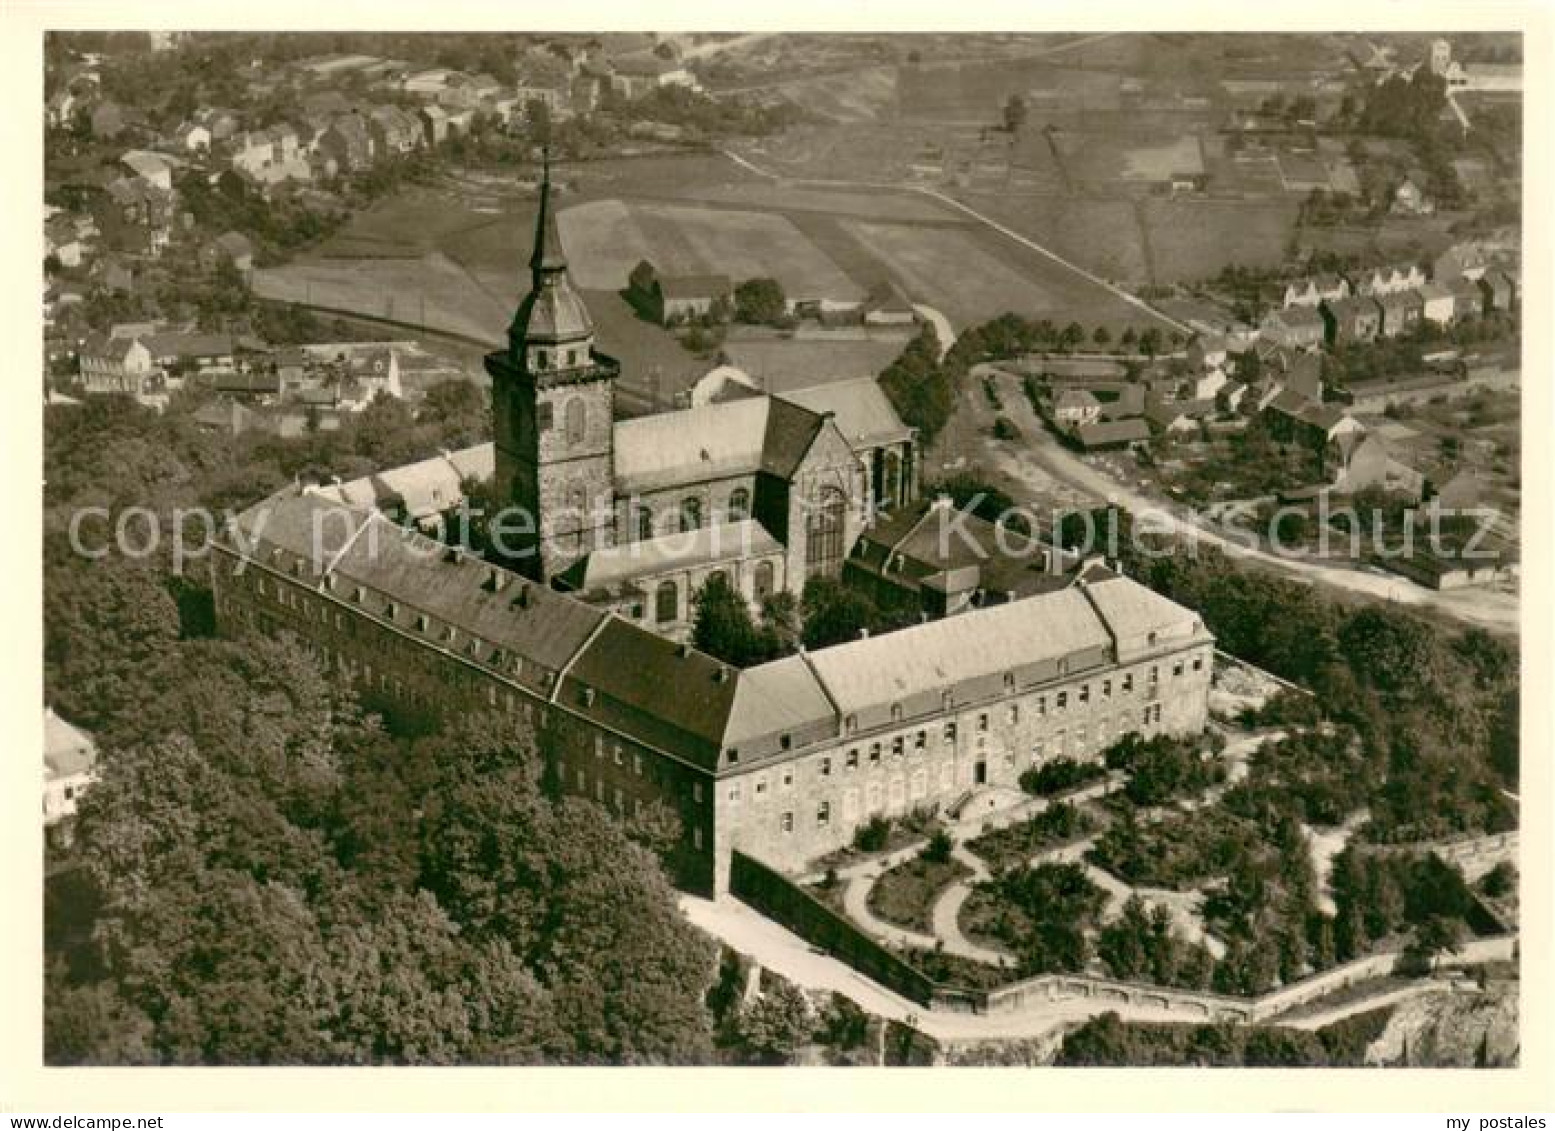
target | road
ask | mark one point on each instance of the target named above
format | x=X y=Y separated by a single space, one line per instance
x=1487 y=608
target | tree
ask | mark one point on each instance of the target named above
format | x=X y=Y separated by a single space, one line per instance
x=723 y=626
x=1101 y=336
x=774 y=1024
x=1015 y=113
x=759 y=301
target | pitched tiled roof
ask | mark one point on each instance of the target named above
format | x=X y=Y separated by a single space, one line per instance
x=713 y=441
x=67 y=750
x=704 y=546
x=1102 y=432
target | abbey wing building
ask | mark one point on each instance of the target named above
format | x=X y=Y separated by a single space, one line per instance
x=585 y=638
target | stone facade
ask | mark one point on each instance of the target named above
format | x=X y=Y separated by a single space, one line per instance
x=792 y=811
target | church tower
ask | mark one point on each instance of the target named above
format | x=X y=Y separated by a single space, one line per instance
x=553 y=399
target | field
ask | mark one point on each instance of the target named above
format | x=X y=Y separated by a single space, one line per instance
x=798 y=362
x=1194 y=239
x=429 y=290
x=1101 y=235
x=606 y=239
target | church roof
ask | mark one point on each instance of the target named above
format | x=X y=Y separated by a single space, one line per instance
x=713 y=441
x=860 y=408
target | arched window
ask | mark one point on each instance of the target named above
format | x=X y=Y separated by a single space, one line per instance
x=739 y=504
x=644 y=523
x=824 y=529
x=575 y=419
x=666 y=603
x=763 y=581
x=690 y=513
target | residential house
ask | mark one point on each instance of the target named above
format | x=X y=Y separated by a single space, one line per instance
x=1373 y=465
x=347 y=143
x=1499 y=292
x=231 y=247
x=434 y=121
x=1410 y=198
x=1299 y=371
x=890 y=307
x=153 y=168
x=139 y=216
x=69 y=767
x=429 y=83
x=181 y=352
x=226 y=417
x=1436 y=303
x=1296 y=327
x=1468 y=301
x=1324 y=428
x=118 y=365
x=1074 y=407
x=1465 y=260
x=1315 y=290
x=1179 y=419
x=642 y=72
x=251 y=387
x=1351 y=320
x=1209 y=383
x=1401 y=312
x=1387 y=280
x=1126 y=401
x=1111 y=435
x=394 y=130
x=1208 y=351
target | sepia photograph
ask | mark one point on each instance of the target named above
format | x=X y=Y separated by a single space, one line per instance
x=783 y=548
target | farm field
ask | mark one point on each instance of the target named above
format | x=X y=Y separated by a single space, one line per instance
x=1194 y=239
x=1101 y=235
x=606 y=239
x=954 y=270
x=430 y=290
x=785 y=364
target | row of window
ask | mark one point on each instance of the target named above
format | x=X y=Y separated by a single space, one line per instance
x=689 y=515
x=918 y=741
x=666 y=595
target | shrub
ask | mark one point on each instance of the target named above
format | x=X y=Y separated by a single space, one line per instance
x=939 y=847
x=1058 y=775
x=872 y=835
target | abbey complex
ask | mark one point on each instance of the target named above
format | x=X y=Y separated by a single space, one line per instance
x=585 y=637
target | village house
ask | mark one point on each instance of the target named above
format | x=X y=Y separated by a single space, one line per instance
x=1401 y=312
x=1179 y=419
x=642 y=72
x=1387 y=280
x=1436 y=304
x=1113 y=435
x=1314 y=290
x=1295 y=327
x=118 y=365
x=69 y=768
x=153 y=168
x=1074 y=407
x=1208 y=351
x=434 y=121
x=346 y=144
x=1468 y=301
x=1373 y=465
x=1351 y=320
x=394 y=130
x=1410 y=199
x=230 y=247
x=1323 y=428
x=1498 y=290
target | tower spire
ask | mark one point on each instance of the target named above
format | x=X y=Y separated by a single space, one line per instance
x=547 y=258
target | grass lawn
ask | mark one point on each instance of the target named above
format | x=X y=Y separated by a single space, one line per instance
x=905 y=895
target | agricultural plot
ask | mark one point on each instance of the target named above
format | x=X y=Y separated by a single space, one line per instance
x=977 y=91
x=785 y=364
x=787 y=198
x=952 y=271
x=1194 y=239
x=1102 y=236
x=606 y=239
x=432 y=291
